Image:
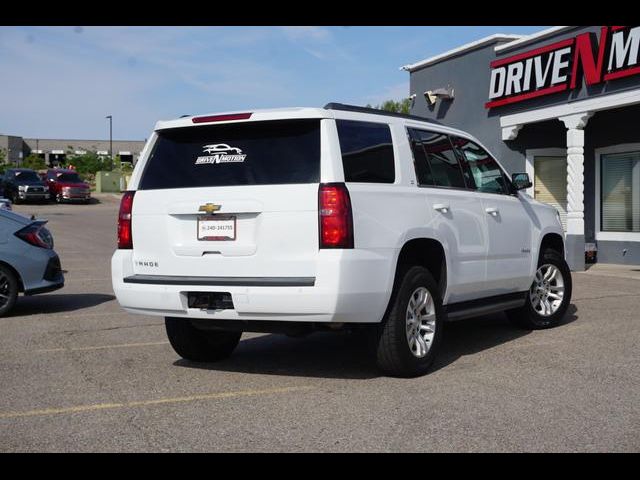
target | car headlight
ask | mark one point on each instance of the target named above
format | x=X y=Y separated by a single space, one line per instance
x=22 y=188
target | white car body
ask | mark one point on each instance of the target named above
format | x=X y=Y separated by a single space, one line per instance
x=275 y=270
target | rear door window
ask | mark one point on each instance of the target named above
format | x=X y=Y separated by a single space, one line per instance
x=251 y=153
x=367 y=151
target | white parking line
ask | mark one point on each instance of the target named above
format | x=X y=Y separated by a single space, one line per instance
x=159 y=401
x=101 y=347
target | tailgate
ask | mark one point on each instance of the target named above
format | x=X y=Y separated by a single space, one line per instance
x=230 y=200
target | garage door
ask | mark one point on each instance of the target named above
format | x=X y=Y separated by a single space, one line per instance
x=550 y=183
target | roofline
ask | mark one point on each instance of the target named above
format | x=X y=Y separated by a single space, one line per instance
x=496 y=37
x=526 y=39
x=40 y=139
x=65 y=139
x=376 y=111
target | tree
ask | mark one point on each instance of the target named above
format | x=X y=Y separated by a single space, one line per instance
x=86 y=163
x=403 y=106
x=34 y=162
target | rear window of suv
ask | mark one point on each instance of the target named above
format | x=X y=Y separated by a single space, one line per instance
x=252 y=153
x=367 y=151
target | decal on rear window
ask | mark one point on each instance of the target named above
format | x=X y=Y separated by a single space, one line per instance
x=220 y=153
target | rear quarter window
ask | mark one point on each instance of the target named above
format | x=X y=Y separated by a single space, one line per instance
x=247 y=153
x=367 y=151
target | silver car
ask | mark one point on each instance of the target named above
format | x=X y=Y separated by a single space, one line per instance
x=28 y=262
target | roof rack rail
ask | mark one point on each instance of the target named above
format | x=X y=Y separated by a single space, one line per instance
x=376 y=111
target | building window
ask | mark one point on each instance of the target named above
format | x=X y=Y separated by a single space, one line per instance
x=620 y=200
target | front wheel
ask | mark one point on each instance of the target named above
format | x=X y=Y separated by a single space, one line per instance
x=200 y=345
x=410 y=334
x=549 y=295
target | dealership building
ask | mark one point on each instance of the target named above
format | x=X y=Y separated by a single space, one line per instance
x=56 y=151
x=562 y=105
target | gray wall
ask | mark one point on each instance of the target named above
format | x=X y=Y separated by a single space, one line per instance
x=12 y=147
x=133 y=146
x=468 y=75
x=15 y=145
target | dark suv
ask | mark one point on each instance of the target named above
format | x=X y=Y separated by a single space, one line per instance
x=22 y=184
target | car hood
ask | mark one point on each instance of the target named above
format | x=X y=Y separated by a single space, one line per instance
x=33 y=184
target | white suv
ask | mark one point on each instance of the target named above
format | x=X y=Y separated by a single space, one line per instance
x=330 y=218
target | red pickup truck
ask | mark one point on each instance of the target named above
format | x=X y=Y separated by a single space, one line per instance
x=65 y=185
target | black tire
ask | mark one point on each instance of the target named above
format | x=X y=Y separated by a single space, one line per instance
x=200 y=345
x=393 y=353
x=15 y=198
x=59 y=198
x=527 y=317
x=8 y=290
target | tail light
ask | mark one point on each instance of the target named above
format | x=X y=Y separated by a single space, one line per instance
x=334 y=216
x=36 y=235
x=125 y=240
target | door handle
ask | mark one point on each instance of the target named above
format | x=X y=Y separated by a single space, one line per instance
x=492 y=211
x=441 y=207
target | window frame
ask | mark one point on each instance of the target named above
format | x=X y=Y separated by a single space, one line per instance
x=598 y=232
x=466 y=188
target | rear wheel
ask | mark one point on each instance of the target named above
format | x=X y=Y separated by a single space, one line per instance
x=8 y=290
x=409 y=336
x=549 y=295
x=200 y=345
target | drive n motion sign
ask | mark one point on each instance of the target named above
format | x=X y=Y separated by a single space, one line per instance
x=561 y=66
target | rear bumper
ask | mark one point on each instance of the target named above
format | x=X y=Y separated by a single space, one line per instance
x=52 y=286
x=350 y=286
x=52 y=278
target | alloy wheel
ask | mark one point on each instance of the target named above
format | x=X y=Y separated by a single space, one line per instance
x=420 y=322
x=547 y=290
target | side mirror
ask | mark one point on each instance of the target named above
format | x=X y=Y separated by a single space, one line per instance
x=521 y=181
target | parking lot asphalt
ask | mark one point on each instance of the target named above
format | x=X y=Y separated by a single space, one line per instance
x=77 y=373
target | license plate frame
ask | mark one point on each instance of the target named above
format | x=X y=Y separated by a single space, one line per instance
x=216 y=238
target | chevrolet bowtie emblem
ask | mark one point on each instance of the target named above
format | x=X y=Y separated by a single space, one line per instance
x=209 y=208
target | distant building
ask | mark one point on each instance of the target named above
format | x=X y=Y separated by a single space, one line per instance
x=55 y=151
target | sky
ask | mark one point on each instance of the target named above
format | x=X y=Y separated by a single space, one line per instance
x=61 y=82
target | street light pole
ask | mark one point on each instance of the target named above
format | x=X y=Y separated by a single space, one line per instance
x=110 y=138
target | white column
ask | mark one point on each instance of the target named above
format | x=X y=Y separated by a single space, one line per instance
x=635 y=197
x=575 y=187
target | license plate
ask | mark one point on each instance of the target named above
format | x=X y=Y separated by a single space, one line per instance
x=217 y=227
